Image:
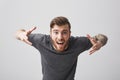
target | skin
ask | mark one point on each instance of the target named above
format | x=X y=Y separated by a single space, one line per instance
x=60 y=36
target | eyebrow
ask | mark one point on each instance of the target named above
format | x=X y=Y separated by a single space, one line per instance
x=55 y=30
x=58 y=30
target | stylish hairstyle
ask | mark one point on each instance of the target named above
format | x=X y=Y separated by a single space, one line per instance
x=60 y=21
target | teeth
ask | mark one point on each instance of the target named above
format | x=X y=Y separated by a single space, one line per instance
x=60 y=42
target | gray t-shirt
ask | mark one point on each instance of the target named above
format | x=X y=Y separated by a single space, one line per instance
x=59 y=65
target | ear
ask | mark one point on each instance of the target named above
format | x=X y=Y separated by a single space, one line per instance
x=70 y=32
x=50 y=32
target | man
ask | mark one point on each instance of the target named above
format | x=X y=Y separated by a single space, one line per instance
x=59 y=50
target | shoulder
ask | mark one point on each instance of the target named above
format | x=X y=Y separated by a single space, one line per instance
x=81 y=41
x=38 y=37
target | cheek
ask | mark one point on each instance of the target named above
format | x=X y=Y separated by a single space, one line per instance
x=52 y=35
x=53 y=38
x=67 y=36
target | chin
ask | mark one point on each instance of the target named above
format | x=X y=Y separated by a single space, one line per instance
x=60 y=50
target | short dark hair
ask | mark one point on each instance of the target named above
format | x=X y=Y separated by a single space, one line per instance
x=60 y=21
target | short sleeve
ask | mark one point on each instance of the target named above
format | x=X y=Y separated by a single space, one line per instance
x=80 y=43
x=36 y=39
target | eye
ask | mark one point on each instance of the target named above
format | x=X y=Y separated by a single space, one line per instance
x=65 y=32
x=55 y=32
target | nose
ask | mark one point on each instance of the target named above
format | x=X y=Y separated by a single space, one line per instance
x=60 y=36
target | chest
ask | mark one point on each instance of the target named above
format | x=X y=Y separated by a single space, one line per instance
x=57 y=60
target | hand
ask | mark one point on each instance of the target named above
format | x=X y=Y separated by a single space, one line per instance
x=23 y=35
x=96 y=44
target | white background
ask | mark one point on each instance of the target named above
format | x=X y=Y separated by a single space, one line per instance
x=19 y=61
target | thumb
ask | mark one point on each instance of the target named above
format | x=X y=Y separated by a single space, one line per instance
x=92 y=40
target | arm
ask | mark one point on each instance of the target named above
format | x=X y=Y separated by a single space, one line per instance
x=97 y=41
x=23 y=35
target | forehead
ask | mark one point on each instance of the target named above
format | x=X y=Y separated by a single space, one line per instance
x=60 y=28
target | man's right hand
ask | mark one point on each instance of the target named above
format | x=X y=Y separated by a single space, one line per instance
x=23 y=35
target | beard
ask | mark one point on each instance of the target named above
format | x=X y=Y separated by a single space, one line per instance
x=60 y=46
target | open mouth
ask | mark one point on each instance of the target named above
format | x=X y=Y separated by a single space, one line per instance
x=60 y=43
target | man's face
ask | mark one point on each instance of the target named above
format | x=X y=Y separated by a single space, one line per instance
x=60 y=36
